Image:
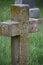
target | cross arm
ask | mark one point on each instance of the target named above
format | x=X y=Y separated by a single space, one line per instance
x=9 y=28
x=34 y=25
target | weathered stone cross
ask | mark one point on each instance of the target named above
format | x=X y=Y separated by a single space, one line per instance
x=17 y=29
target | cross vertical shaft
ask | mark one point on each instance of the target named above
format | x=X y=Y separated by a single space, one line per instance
x=19 y=12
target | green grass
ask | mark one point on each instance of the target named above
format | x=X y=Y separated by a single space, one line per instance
x=5 y=50
x=36 y=47
x=35 y=40
x=5 y=43
x=5 y=9
x=5 y=14
x=41 y=12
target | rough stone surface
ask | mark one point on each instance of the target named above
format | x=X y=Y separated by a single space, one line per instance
x=34 y=25
x=34 y=12
x=15 y=50
x=33 y=28
x=31 y=3
x=19 y=12
x=34 y=20
x=9 y=28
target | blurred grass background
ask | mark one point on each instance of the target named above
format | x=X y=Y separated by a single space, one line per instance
x=35 y=39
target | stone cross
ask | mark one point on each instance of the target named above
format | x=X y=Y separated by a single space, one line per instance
x=17 y=28
x=31 y=3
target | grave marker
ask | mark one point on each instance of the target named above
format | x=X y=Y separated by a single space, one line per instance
x=17 y=29
x=19 y=12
